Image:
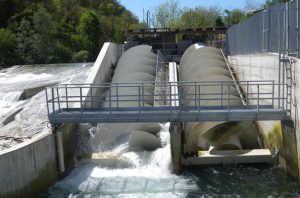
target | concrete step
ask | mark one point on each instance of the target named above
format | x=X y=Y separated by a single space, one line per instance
x=225 y=157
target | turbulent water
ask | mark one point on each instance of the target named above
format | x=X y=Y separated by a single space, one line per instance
x=33 y=117
x=150 y=175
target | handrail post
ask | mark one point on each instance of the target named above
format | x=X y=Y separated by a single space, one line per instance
x=47 y=100
x=67 y=99
x=143 y=95
x=273 y=89
x=247 y=94
x=117 y=92
x=195 y=97
x=53 y=98
x=228 y=99
x=199 y=99
x=91 y=88
x=222 y=93
x=139 y=101
x=58 y=99
x=80 y=90
x=109 y=101
x=257 y=98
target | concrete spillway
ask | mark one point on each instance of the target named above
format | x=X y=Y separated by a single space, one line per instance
x=200 y=63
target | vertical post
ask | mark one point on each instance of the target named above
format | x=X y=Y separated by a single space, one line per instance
x=176 y=146
x=139 y=101
x=91 y=89
x=199 y=98
x=286 y=98
x=53 y=98
x=257 y=99
x=47 y=100
x=117 y=92
x=247 y=94
x=195 y=97
x=143 y=95
x=58 y=99
x=273 y=89
x=59 y=148
x=222 y=92
x=80 y=90
x=228 y=99
x=67 y=100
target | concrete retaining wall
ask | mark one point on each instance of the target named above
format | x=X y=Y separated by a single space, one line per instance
x=284 y=136
x=30 y=168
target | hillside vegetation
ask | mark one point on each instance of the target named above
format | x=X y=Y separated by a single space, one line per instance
x=57 y=31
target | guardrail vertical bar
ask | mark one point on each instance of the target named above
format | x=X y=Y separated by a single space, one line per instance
x=46 y=90
x=53 y=98
x=109 y=102
x=195 y=92
x=67 y=99
x=117 y=92
x=228 y=99
x=199 y=99
x=222 y=92
x=58 y=99
x=273 y=89
x=247 y=94
x=257 y=99
x=80 y=90
x=143 y=95
x=139 y=102
x=92 y=99
x=286 y=98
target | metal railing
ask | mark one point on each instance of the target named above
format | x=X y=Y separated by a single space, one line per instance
x=268 y=31
x=122 y=98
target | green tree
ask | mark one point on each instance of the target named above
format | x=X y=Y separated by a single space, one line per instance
x=234 y=17
x=8 y=44
x=90 y=30
x=200 y=17
x=219 y=21
x=44 y=38
x=168 y=13
x=25 y=39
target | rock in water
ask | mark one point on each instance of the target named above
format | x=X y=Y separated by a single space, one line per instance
x=141 y=140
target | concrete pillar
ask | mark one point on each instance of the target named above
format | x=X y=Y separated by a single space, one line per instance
x=290 y=148
x=176 y=146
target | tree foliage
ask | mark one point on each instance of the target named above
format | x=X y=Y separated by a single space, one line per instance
x=168 y=13
x=8 y=43
x=270 y=3
x=51 y=31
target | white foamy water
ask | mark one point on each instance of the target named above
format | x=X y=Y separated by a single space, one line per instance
x=14 y=80
x=9 y=101
x=150 y=177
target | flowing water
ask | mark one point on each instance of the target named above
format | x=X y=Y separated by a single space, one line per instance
x=149 y=176
x=33 y=117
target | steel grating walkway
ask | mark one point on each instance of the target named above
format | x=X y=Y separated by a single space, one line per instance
x=130 y=102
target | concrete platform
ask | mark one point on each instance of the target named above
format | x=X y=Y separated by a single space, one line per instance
x=227 y=157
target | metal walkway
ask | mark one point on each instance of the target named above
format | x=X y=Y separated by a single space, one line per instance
x=131 y=102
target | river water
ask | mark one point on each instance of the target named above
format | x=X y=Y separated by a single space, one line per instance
x=150 y=175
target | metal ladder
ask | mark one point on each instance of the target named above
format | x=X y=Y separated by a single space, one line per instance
x=285 y=66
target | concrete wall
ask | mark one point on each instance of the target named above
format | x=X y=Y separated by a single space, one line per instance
x=284 y=136
x=30 y=168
